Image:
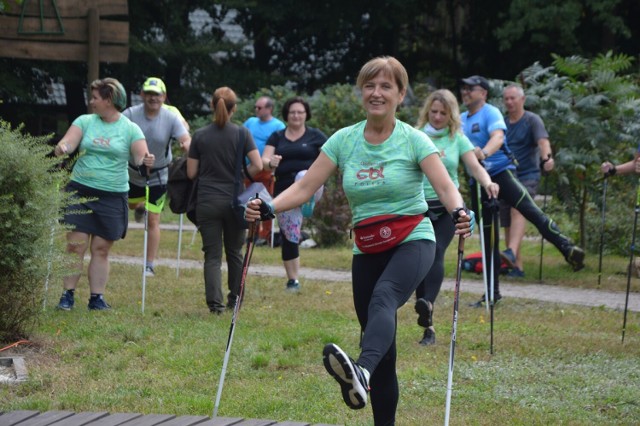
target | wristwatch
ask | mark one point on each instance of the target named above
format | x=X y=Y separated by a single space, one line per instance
x=484 y=152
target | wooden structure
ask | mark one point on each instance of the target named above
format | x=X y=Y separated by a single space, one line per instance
x=68 y=418
x=91 y=31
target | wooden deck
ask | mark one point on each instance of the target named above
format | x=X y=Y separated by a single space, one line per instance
x=69 y=418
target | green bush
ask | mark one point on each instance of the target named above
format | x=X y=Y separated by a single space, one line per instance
x=29 y=206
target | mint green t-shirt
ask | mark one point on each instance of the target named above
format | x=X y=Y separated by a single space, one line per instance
x=385 y=178
x=104 y=152
x=451 y=151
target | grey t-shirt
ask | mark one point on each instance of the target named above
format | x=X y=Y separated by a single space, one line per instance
x=159 y=131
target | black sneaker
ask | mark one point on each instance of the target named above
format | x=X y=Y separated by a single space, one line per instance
x=575 y=258
x=66 y=301
x=516 y=273
x=138 y=214
x=97 y=303
x=429 y=337
x=509 y=258
x=480 y=303
x=293 y=286
x=353 y=379
x=424 y=309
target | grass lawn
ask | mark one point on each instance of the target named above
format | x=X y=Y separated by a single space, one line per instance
x=552 y=364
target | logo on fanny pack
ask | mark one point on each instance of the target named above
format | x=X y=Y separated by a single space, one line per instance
x=385 y=232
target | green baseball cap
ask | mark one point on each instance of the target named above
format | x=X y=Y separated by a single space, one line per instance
x=154 y=84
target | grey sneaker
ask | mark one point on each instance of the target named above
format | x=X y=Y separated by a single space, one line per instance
x=138 y=214
x=480 y=303
x=424 y=309
x=429 y=337
x=66 y=301
x=97 y=303
x=293 y=286
x=149 y=272
x=353 y=379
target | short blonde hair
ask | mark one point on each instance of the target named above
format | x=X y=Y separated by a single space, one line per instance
x=388 y=65
x=448 y=99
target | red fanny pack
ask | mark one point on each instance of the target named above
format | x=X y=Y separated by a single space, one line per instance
x=380 y=233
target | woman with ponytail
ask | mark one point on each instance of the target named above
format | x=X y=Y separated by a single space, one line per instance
x=440 y=120
x=212 y=159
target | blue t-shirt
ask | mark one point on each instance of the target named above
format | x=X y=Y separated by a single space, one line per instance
x=261 y=130
x=384 y=178
x=478 y=128
x=523 y=136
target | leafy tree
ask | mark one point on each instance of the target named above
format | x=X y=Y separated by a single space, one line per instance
x=591 y=108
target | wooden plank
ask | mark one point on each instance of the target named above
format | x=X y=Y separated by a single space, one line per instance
x=111 y=32
x=287 y=423
x=61 y=51
x=47 y=418
x=84 y=418
x=151 y=420
x=222 y=421
x=14 y=417
x=186 y=421
x=70 y=8
x=116 y=419
x=256 y=422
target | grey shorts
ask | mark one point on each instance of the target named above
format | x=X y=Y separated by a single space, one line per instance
x=531 y=186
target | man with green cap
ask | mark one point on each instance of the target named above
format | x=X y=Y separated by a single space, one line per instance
x=160 y=127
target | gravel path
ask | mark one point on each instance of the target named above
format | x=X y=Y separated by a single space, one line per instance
x=543 y=292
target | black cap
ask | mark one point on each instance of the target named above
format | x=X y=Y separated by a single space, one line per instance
x=476 y=80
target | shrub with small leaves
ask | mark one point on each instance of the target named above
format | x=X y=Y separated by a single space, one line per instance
x=29 y=210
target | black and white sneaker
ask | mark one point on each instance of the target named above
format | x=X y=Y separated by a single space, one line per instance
x=353 y=379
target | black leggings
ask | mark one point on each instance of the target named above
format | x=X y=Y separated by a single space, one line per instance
x=517 y=196
x=444 y=229
x=382 y=283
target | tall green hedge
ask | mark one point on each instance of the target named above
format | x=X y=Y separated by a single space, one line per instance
x=29 y=243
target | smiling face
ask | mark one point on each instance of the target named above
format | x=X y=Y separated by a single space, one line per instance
x=381 y=96
x=297 y=115
x=439 y=116
x=100 y=105
x=473 y=97
x=153 y=101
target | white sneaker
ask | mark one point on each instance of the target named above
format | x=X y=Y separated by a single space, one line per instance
x=353 y=379
x=149 y=272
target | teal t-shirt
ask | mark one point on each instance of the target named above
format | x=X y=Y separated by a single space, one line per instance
x=104 y=152
x=385 y=178
x=451 y=150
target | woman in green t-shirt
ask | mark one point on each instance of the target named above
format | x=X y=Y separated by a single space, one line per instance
x=382 y=162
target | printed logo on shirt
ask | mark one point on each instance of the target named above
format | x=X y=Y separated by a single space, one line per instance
x=370 y=174
x=475 y=128
x=102 y=142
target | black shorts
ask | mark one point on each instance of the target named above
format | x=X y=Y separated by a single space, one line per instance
x=157 y=196
x=103 y=213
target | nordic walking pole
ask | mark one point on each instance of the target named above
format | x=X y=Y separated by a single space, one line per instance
x=544 y=209
x=495 y=254
x=251 y=241
x=604 y=206
x=633 y=244
x=454 y=327
x=179 y=244
x=482 y=249
x=146 y=238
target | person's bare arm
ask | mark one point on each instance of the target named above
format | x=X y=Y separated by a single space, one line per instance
x=255 y=162
x=192 y=168
x=480 y=174
x=69 y=141
x=496 y=140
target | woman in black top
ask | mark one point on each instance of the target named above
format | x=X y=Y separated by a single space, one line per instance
x=288 y=152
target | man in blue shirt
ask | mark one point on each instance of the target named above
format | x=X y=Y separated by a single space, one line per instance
x=261 y=127
x=484 y=125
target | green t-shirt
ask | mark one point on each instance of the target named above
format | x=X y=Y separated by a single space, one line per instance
x=385 y=178
x=451 y=151
x=104 y=152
